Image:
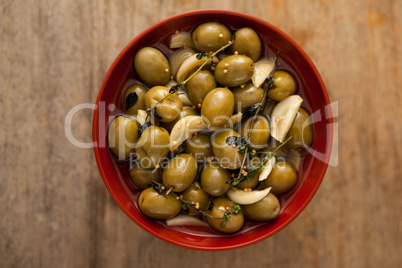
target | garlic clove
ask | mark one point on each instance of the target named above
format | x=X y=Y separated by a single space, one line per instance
x=189 y=65
x=142 y=115
x=177 y=58
x=242 y=197
x=180 y=39
x=185 y=220
x=184 y=98
x=184 y=128
x=262 y=69
x=267 y=169
x=283 y=115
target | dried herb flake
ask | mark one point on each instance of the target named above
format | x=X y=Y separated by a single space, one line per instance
x=240 y=142
x=131 y=100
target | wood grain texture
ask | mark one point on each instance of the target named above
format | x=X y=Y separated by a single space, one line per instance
x=55 y=210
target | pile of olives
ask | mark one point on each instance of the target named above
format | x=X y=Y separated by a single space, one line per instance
x=194 y=178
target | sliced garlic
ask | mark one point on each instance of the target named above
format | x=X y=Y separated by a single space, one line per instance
x=184 y=98
x=267 y=169
x=184 y=128
x=283 y=115
x=177 y=58
x=181 y=39
x=185 y=220
x=232 y=121
x=246 y=198
x=262 y=70
x=189 y=65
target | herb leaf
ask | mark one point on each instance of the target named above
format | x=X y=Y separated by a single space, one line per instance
x=153 y=112
x=175 y=88
x=158 y=188
x=226 y=217
x=202 y=54
x=131 y=99
x=240 y=142
x=141 y=128
x=233 y=140
x=251 y=111
x=236 y=209
x=270 y=80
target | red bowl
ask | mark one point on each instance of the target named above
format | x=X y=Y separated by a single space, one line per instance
x=115 y=173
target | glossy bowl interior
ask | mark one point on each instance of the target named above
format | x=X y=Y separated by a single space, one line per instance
x=115 y=173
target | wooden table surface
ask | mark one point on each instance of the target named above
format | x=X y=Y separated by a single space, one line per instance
x=54 y=208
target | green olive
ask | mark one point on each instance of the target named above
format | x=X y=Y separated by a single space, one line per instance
x=260 y=132
x=152 y=146
x=141 y=177
x=180 y=172
x=210 y=36
x=245 y=96
x=249 y=182
x=194 y=193
x=122 y=136
x=300 y=131
x=264 y=210
x=152 y=66
x=234 y=70
x=227 y=155
x=246 y=42
x=222 y=205
x=157 y=206
x=214 y=179
x=284 y=86
x=199 y=146
x=199 y=86
x=168 y=109
x=185 y=111
x=134 y=99
x=218 y=106
x=282 y=178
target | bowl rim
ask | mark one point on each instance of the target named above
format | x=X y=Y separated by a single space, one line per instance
x=328 y=142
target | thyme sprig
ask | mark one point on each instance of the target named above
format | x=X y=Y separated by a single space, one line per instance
x=250 y=172
x=251 y=110
x=177 y=87
x=226 y=216
x=195 y=205
x=269 y=80
x=159 y=188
